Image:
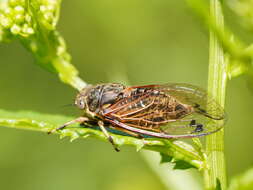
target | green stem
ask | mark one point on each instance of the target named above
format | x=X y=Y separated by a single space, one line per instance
x=217 y=78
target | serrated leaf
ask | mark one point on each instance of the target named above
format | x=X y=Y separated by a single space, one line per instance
x=45 y=122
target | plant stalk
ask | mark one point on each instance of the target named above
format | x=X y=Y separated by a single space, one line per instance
x=215 y=173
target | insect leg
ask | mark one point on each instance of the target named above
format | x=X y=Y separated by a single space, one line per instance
x=77 y=120
x=109 y=137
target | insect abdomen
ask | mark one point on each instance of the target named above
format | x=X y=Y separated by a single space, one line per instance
x=150 y=110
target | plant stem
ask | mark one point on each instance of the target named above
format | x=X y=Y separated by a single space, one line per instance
x=217 y=79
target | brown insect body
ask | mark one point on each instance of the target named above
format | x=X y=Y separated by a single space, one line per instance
x=165 y=111
x=147 y=109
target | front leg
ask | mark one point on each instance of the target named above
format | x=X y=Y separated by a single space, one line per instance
x=108 y=136
x=77 y=120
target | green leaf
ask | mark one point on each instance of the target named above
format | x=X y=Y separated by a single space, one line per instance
x=165 y=158
x=178 y=164
x=243 y=181
x=183 y=165
x=218 y=184
x=179 y=150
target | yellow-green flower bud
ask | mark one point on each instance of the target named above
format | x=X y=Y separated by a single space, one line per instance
x=19 y=9
x=14 y=3
x=19 y=18
x=15 y=29
x=5 y=21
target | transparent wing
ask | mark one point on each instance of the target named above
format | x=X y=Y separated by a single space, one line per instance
x=196 y=97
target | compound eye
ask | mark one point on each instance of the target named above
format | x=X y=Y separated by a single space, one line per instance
x=80 y=104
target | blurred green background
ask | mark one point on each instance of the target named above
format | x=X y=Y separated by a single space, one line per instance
x=139 y=42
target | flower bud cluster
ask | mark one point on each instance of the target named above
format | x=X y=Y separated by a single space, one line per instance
x=22 y=17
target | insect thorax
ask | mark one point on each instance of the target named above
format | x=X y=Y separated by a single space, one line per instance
x=97 y=96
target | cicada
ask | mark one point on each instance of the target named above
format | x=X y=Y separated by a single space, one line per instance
x=164 y=111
